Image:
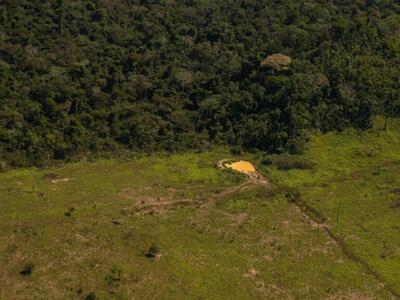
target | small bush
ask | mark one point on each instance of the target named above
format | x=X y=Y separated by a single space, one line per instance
x=395 y=204
x=396 y=191
x=235 y=205
x=114 y=277
x=3 y=166
x=293 y=195
x=27 y=270
x=91 y=296
x=364 y=153
x=69 y=212
x=288 y=162
x=152 y=252
x=267 y=161
x=236 y=150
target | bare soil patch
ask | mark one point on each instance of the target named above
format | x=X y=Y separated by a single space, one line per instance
x=54 y=178
x=143 y=203
x=246 y=168
x=241 y=166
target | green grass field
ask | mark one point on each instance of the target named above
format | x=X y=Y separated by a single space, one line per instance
x=86 y=230
x=355 y=185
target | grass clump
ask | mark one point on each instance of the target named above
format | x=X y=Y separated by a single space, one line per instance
x=114 y=277
x=152 y=252
x=395 y=204
x=27 y=270
x=69 y=212
x=91 y=296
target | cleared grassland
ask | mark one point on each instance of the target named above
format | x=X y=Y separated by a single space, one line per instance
x=153 y=228
x=355 y=187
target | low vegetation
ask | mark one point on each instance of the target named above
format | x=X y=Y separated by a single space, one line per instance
x=353 y=188
x=177 y=227
x=288 y=162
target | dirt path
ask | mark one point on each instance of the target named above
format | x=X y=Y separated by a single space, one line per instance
x=318 y=221
x=254 y=178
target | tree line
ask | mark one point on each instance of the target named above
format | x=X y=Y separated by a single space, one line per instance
x=94 y=76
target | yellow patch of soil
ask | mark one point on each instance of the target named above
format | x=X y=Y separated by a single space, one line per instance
x=242 y=166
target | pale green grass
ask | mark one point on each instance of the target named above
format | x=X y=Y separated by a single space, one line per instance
x=353 y=186
x=206 y=252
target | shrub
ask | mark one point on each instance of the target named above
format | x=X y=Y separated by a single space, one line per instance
x=114 y=277
x=293 y=195
x=395 y=204
x=91 y=296
x=27 y=270
x=69 y=212
x=288 y=162
x=3 y=166
x=152 y=252
x=236 y=150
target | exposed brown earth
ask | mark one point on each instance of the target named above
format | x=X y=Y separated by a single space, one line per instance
x=148 y=205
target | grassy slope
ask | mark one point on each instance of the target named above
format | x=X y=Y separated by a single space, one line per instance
x=206 y=252
x=355 y=186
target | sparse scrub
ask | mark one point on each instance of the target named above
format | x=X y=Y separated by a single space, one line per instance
x=293 y=195
x=396 y=191
x=114 y=277
x=50 y=176
x=91 y=296
x=236 y=150
x=69 y=212
x=288 y=162
x=152 y=252
x=395 y=204
x=3 y=166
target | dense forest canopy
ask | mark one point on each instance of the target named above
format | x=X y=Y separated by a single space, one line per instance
x=92 y=76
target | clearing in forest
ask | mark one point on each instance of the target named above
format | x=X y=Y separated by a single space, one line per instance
x=177 y=227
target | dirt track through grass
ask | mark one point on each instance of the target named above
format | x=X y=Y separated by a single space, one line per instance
x=314 y=218
x=310 y=216
x=220 y=235
x=252 y=178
